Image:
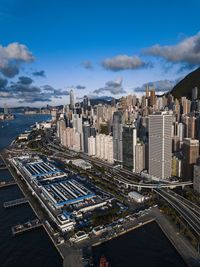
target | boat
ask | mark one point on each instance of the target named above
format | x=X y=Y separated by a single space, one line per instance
x=103 y=262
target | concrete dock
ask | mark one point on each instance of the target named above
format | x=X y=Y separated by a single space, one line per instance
x=14 y=203
x=6 y=184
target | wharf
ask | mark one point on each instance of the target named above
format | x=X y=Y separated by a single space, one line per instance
x=3 y=168
x=26 y=227
x=16 y=202
x=6 y=184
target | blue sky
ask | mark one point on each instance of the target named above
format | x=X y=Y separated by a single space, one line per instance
x=105 y=47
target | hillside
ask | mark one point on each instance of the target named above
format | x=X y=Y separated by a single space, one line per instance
x=185 y=86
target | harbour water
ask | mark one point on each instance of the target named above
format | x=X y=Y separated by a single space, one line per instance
x=32 y=248
x=146 y=246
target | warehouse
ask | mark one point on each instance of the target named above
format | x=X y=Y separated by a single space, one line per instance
x=136 y=196
x=66 y=193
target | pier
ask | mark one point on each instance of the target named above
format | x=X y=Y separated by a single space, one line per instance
x=30 y=225
x=3 y=168
x=6 y=184
x=16 y=202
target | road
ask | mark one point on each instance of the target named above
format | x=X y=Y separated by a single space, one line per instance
x=182 y=207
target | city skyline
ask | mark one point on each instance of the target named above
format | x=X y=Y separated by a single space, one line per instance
x=98 y=49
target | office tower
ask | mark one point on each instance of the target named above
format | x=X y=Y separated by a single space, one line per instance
x=78 y=126
x=190 y=156
x=99 y=114
x=85 y=103
x=160 y=145
x=118 y=122
x=91 y=146
x=147 y=91
x=72 y=101
x=129 y=141
x=153 y=98
x=194 y=93
x=86 y=135
x=139 y=157
x=5 y=109
x=113 y=102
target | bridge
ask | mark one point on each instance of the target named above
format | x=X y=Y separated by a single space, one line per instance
x=130 y=184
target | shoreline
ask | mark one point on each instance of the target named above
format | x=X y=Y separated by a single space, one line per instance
x=32 y=207
x=172 y=237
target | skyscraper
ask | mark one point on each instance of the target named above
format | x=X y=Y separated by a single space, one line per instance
x=190 y=156
x=147 y=91
x=160 y=145
x=153 y=98
x=85 y=103
x=129 y=141
x=72 y=101
x=86 y=135
x=118 y=122
x=5 y=109
x=194 y=93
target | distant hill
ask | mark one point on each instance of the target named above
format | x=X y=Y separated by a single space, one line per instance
x=185 y=86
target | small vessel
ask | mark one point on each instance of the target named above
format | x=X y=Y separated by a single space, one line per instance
x=103 y=262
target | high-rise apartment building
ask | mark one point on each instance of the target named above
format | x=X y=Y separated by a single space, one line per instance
x=160 y=145
x=91 y=146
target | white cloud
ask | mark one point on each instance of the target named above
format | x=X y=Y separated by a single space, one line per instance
x=123 y=62
x=187 y=51
x=11 y=56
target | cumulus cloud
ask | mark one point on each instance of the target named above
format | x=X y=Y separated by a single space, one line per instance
x=80 y=87
x=12 y=56
x=87 y=64
x=187 y=51
x=40 y=73
x=26 y=92
x=123 y=62
x=3 y=82
x=159 y=86
x=25 y=80
x=113 y=87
